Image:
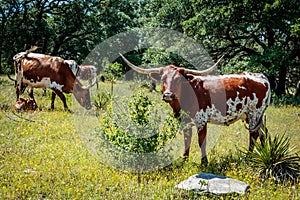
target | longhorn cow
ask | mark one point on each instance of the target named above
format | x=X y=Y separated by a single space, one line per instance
x=220 y=99
x=84 y=72
x=35 y=70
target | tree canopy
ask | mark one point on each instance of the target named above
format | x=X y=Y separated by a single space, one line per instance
x=258 y=35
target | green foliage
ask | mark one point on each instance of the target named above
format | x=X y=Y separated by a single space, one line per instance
x=264 y=32
x=139 y=129
x=46 y=157
x=113 y=71
x=276 y=159
x=102 y=100
x=139 y=108
x=69 y=28
x=260 y=36
x=285 y=100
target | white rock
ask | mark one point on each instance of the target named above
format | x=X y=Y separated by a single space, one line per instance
x=215 y=184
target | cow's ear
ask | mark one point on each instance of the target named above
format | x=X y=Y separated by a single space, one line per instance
x=155 y=76
x=76 y=86
x=189 y=77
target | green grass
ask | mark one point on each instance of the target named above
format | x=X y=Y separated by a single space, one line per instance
x=43 y=155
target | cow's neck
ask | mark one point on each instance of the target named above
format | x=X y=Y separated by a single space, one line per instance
x=176 y=108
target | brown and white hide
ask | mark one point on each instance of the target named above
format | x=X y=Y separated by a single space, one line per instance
x=35 y=70
x=222 y=99
x=25 y=105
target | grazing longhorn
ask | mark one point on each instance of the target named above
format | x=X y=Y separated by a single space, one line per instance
x=220 y=99
x=84 y=72
x=35 y=70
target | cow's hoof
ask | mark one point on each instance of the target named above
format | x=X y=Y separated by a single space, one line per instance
x=204 y=161
x=69 y=111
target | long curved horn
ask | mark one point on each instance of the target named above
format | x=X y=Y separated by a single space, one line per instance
x=139 y=69
x=203 y=72
x=90 y=85
x=93 y=71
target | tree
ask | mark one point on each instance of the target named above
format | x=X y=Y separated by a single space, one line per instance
x=66 y=28
x=265 y=33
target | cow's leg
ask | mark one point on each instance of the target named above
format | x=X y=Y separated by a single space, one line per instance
x=53 y=99
x=263 y=134
x=253 y=137
x=63 y=99
x=30 y=93
x=260 y=132
x=202 y=144
x=187 y=142
x=17 y=93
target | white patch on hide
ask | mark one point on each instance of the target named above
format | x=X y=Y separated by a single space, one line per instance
x=44 y=83
x=55 y=85
x=73 y=66
x=248 y=110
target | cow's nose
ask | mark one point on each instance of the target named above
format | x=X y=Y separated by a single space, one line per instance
x=89 y=106
x=168 y=96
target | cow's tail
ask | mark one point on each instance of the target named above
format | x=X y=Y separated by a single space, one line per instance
x=10 y=78
x=260 y=122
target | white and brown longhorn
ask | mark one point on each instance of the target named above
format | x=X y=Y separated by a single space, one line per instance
x=221 y=99
x=35 y=70
x=84 y=72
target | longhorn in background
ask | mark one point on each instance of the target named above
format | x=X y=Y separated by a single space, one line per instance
x=84 y=72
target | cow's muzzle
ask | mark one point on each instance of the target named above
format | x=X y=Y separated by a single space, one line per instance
x=88 y=106
x=168 y=97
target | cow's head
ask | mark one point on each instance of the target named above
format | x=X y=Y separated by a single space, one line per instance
x=82 y=95
x=174 y=79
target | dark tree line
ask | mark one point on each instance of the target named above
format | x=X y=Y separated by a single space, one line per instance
x=259 y=35
x=68 y=28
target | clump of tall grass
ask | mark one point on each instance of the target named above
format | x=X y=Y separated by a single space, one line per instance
x=275 y=159
x=102 y=100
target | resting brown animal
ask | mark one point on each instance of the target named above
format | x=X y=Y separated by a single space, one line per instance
x=25 y=104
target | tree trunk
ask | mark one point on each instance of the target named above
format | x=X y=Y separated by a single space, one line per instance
x=280 y=90
x=297 y=92
x=1 y=71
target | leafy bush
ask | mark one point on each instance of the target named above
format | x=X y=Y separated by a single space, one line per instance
x=285 y=100
x=102 y=99
x=275 y=159
x=113 y=71
x=140 y=128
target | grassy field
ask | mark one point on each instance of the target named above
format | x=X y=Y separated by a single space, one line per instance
x=44 y=156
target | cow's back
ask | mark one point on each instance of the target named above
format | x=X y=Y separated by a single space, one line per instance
x=229 y=98
x=40 y=70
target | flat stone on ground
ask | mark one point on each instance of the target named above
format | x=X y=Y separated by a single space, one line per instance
x=212 y=183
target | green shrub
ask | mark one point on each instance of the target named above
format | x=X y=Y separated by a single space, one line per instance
x=285 y=100
x=275 y=159
x=139 y=127
x=102 y=100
